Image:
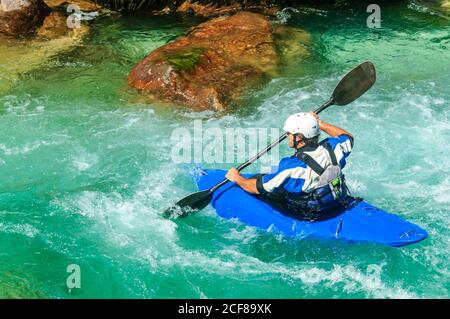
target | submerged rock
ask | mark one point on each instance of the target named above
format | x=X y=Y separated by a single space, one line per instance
x=23 y=55
x=18 y=284
x=210 y=66
x=48 y=38
x=55 y=26
x=19 y=17
x=292 y=43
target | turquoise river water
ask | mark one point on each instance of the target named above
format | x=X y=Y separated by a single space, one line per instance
x=86 y=167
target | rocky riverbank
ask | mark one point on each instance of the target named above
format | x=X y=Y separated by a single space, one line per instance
x=210 y=67
x=33 y=31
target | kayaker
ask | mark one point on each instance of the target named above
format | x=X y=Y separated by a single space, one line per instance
x=311 y=180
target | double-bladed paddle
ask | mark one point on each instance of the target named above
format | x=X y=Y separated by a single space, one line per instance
x=354 y=84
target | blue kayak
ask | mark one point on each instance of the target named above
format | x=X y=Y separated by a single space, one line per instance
x=360 y=221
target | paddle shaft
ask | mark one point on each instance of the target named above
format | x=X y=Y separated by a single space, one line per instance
x=349 y=88
x=268 y=148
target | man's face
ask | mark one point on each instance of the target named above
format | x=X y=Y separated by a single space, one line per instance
x=290 y=140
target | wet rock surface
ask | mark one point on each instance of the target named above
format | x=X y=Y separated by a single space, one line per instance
x=21 y=17
x=45 y=40
x=212 y=65
x=83 y=5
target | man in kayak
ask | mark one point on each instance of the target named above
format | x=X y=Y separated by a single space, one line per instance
x=310 y=181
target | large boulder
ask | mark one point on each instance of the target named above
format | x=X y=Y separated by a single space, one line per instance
x=18 y=17
x=212 y=65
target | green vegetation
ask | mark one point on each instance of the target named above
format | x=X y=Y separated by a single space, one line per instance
x=184 y=60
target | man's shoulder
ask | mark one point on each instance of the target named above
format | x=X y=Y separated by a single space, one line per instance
x=334 y=141
x=291 y=162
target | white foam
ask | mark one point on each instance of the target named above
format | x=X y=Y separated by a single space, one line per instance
x=230 y=262
x=27 y=148
x=245 y=236
x=135 y=221
x=22 y=229
x=84 y=160
x=356 y=185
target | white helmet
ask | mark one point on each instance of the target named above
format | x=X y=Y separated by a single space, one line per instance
x=303 y=123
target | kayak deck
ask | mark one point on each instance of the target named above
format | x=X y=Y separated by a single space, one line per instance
x=361 y=222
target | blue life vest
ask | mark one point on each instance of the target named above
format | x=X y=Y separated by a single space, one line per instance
x=331 y=191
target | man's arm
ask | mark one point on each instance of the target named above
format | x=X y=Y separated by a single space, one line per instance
x=330 y=129
x=339 y=137
x=247 y=184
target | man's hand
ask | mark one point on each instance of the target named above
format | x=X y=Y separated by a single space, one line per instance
x=233 y=175
x=247 y=184
x=330 y=129
x=316 y=116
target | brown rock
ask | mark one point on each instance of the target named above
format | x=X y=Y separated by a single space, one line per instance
x=218 y=8
x=292 y=42
x=18 y=56
x=207 y=10
x=210 y=66
x=54 y=26
x=19 y=17
x=84 y=5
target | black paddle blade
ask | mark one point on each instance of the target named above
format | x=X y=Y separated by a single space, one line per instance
x=354 y=84
x=190 y=204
